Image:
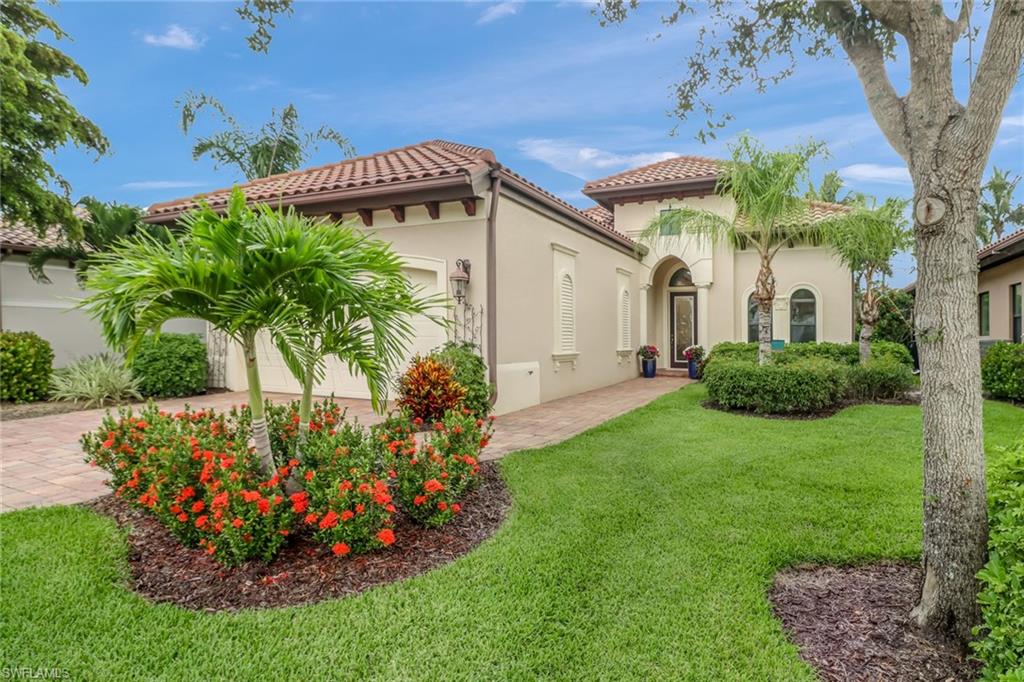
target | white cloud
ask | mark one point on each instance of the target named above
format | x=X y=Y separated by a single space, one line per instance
x=163 y=184
x=174 y=36
x=876 y=172
x=582 y=161
x=1014 y=121
x=499 y=11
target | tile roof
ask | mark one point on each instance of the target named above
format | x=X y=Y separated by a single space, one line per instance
x=432 y=159
x=1000 y=244
x=600 y=214
x=18 y=237
x=675 y=169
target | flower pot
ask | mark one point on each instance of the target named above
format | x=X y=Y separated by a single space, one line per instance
x=691 y=367
x=650 y=367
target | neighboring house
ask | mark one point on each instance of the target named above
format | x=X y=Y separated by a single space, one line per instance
x=49 y=309
x=567 y=295
x=1000 y=278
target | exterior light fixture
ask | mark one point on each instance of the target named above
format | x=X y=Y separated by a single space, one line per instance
x=459 y=278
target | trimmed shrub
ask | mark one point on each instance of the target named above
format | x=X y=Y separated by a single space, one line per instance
x=95 y=380
x=893 y=351
x=881 y=378
x=1001 y=634
x=26 y=363
x=470 y=371
x=428 y=389
x=842 y=353
x=808 y=385
x=171 y=365
x=1002 y=371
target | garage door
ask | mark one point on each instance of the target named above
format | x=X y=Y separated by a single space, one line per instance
x=429 y=273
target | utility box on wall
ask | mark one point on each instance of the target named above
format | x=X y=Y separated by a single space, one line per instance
x=518 y=386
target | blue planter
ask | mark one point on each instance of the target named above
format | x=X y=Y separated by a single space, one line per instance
x=691 y=367
x=650 y=367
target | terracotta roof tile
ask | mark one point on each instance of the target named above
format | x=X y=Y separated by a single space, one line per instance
x=995 y=246
x=678 y=168
x=600 y=214
x=435 y=158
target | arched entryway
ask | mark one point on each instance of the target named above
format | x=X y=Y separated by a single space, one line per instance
x=673 y=309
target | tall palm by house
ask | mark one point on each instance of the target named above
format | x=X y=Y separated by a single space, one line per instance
x=97 y=231
x=770 y=214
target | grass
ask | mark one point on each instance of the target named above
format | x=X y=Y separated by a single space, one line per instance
x=641 y=549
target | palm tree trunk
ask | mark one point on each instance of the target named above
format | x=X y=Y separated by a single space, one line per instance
x=868 y=318
x=305 y=409
x=260 y=434
x=764 y=294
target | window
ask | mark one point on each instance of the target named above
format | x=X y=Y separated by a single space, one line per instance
x=983 y=314
x=566 y=315
x=670 y=229
x=752 y=321
x=803 y=317
x=625 y=321
x=681 y=278
x=1015 y=312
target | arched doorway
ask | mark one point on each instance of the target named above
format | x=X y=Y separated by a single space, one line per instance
x=674 y=310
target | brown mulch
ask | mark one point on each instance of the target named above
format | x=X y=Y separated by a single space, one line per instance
x=853 y=623
x=820 y=414
x=12 y=411
x=304 y=572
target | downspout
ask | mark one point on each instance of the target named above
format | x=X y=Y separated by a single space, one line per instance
x=492 y=285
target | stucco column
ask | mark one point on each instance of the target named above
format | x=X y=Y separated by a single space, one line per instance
x=703 y=314
x=644 y=290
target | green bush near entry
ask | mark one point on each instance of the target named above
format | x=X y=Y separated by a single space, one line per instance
x=842 y=353
x=807 y=385
x=171 y=365
x=470 y=371
x=26 y=363
x=880 y=378
x=1002 y=371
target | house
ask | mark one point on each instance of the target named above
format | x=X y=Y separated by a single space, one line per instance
x=48 y=309
x=566 y=295
x=1000 y=277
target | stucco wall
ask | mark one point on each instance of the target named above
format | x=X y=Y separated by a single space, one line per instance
x=526 y=301
x=997 y=281
x=48 y=310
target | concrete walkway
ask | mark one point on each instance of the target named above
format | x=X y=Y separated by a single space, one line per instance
x=41 y=460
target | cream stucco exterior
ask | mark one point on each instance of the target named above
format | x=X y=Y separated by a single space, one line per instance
x=996 y=282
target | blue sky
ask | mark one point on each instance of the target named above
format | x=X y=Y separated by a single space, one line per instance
x=558 y=98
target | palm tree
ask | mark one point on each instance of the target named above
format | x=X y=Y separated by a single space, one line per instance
x=865 y=240
x=996 y=209
x=279 y=146
x=770 y=214
x=98 y=231
x=828 y=191
x=235 y=271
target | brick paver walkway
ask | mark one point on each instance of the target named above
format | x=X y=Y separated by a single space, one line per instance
x=41 y=460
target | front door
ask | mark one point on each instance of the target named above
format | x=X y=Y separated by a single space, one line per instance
x=682 y=309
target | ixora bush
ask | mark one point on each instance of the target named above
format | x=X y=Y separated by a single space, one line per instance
x=195 y=472
x=470 y=372
x=170 y=365
x=1001 y=634
x=428 y=389
x=808 y=385
x=879 y=378
x=26 y=363
x=95 y=380
x=1002 y=371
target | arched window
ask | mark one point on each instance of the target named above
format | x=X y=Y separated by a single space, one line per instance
x=752 y=321
x=625 y=321
x=681 y=278
x=566 y=314
x=803 y=317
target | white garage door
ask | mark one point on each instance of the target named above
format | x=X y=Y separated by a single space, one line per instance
x=428 y=273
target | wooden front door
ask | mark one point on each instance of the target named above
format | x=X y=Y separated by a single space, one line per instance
x=682 y=312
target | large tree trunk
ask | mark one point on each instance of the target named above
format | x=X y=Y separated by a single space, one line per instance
x=764 y=295
x=955 y=513
x=260 y=434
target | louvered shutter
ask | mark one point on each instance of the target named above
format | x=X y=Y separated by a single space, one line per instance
x=566 y=314
x=626 y=333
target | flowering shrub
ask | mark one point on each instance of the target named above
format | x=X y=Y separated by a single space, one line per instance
x=428 y=389
x=194 y=472
x=432 y=479
x=648 y=352
x=693 y=353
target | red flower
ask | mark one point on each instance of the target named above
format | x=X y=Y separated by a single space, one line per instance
x=433 y=486
x=183 y=517
x=201 y=521
x=419 y=500
x=381 y=498
x=238 y=523
x=387 y=536
x=346 y=515
x=340 y=549
x=456 y=508
x=360 y=508
x=300 y=502
x=264 y=506
x=330 y=520
x=198 y=507
x=443 y=506
x=251 y=495
x=345 y=485
x=311 y=518
x=309 y=475
x=293 y=463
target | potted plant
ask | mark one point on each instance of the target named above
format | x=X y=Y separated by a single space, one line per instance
x=693 y=355
x=649 y=360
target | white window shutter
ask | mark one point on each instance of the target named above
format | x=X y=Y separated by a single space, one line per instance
x=626 y=332
x=566 y=314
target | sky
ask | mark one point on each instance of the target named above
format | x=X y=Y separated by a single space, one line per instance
x=558 y=98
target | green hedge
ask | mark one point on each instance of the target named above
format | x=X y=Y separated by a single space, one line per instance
x=807 y=385
x=879 y=378
x=26 y=363
x=842 y=353
x=1001 y=635
x=1002 y=371
x=171 y=365
x=469 y=370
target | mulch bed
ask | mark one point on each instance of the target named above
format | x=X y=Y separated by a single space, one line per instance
x=304 y=572
x=820 y=414
x=12 y=411
x=853 y=623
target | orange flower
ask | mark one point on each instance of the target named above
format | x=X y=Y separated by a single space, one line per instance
x=330 y=520
x=386 y=536
x=340 y=549
x=238 y=523
x=433 y=486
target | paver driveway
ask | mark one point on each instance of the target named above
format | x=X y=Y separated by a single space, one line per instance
x=41 y=460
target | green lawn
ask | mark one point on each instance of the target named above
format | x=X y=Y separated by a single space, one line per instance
x=642 y=549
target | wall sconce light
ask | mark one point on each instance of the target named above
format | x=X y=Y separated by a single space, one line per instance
x=459 y=278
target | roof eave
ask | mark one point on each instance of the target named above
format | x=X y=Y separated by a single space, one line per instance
x=647 y=191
